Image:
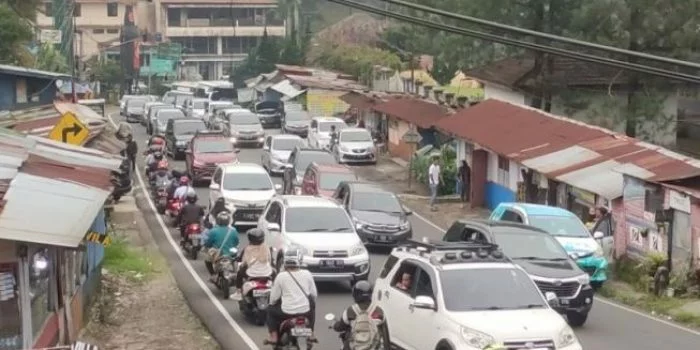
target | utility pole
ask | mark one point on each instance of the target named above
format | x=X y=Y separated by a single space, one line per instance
x=73 y=61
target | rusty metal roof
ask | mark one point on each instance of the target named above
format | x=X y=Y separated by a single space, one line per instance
x=415 y=111
x=331 y=82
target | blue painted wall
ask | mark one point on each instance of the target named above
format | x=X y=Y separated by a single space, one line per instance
x=497 y=194
x=44 y=89
x=96 y=251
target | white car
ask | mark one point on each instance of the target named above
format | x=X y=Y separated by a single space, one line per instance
x=466 y=296
x=355 y=145
x=246 y=187
x=322 y=230
x=215 y=106
x=276 y=152
x=196 y=107
x=320 y=130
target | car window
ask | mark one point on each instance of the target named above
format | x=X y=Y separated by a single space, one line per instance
x=376 y=201
x=423 y=284
x=306 y=158
x=189 y=127
x=274 y=213
x=136 y=103
x=355 y=136
x=522 y=245
x=314 y=124
x=286 y=144
x=512 y=216
x=404 y=278
x=330 y=180
x=560 y=225
x=388 y=265
x=212 y=145
x=497 y=289
x=243 y=119
x=164 y=115
x=325 y=219
x=199 y=105
x=326 y=126
x=247 y=182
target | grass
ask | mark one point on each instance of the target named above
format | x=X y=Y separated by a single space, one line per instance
x=124 y=259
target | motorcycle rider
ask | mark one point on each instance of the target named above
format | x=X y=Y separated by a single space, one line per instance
x=256 y=260
x=161 y=177
x=215 y=241
x=183 y=189
x=152 y=161
x=191 y=213
x=334 y=137
x=219 y=207
x=156 y=140
x=354 y=324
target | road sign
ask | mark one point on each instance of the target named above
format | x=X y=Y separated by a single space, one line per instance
x=69 y=130
x=411 y=136
x=50 y=36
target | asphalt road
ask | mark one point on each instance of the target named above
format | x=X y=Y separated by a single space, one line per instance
x=609 y=327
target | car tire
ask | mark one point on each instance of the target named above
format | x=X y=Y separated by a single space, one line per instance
x=576 y=319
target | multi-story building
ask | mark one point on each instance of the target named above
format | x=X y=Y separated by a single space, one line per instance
x=215 y=34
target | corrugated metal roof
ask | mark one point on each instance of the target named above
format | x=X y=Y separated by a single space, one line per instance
x=412 y=110
x=263 y=86
x=40 y=120
x=560 y=159
x=329 y=82
x=57 y=170
x=75 y=155
x=600 y=179
x=28 y=72
x=285 y=88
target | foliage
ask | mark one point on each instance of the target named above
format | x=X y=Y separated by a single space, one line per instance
x=121 y=258
x=261 y=59
x=357 y=60
x=108 y=72
x=15 y=33
x=448 y=168
x=23 y=8
x=291 y=52
x=50 y=59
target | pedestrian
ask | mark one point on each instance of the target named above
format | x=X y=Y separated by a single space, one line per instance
x=434 y=182
x=132 y=149
x=463 y=177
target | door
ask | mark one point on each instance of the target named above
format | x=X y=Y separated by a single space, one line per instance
x=215 y=179
x=265 y=157
x=421 y=318
x=396 y=306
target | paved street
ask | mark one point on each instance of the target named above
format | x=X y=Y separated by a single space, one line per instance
x=609 y=326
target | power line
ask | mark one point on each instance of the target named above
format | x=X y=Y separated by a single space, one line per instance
x=526 y=45
x=552 y=37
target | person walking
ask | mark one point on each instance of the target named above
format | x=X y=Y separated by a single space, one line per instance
x=132 y=149
x=463 y=176
x=434 y=182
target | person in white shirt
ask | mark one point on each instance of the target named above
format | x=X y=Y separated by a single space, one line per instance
x=434 y=182
x=184 y=187
x=293 y=294
x=256 y=261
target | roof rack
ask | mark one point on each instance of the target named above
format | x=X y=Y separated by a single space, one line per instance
x=447 y=246
x=455 y=252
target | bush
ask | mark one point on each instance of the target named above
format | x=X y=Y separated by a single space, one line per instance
x=448 y=165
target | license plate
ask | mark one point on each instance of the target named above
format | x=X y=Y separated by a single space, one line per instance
x=564 y=301
x=260 y=292
x=195 y=236
x=384 y=238
x=332 y=263
x=250 y=216
x=301 y=332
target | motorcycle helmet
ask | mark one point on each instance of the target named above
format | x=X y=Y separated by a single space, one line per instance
x=220 y=203
x=184 y=181
x=163 y=165
x=223 y=219
x=362 y=292
x=157 y=142
x=292 y=257
x=256 y=236
x=158 y=155
x=154 y=148
x=191 y=196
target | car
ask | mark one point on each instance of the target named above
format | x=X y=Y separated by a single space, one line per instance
x=243 y=128
x=320 y=130
x=296 y=123
x=196 y=107
x=542 y=257
x=299 y=161
x=181 y=99
x=125 y=98
x=323 y=179
x=322 y=230
x=567 y=228
x=220 y=115
x=458 y=296
x=207 y=150
x=270 y=113
x=179 y=132
x=161 y=118
x=151 y=116
x=171 y=97
x=147 y=108
x=134 y=109
x=379 y=217
x=246 y=187
x=276 y=152
x=355 y=145
x=215 y=106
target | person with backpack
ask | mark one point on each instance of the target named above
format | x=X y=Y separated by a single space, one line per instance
x=362 y=324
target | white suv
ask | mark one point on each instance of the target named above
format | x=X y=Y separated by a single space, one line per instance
x=461 y=296
x=320 y=131
x=322 y=230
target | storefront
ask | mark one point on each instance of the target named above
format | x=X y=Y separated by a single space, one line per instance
x=582 y=203
x=10 y=316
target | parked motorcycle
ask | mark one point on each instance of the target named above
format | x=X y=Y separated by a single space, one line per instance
x=121 y=180
x=256 y=299
x=226 y=268
x=192 y=243
x=294 y=334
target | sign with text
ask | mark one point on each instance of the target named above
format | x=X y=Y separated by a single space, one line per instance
x=50 y=36
x=69 y=130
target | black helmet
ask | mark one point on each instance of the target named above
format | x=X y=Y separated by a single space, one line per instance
x=362 y=292
x=220 y=202
x=256 y=236
x=191 y=196
x=158 y=155
x=223 y=219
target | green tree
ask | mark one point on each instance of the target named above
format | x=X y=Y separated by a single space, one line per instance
x=290 y=9
x=268 y=53
x=357 y=60
x=50 y=59
x=15 y=34
x=108 y=72
x=291 y=53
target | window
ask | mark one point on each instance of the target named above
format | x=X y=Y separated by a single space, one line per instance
x=213 y=146
x=424 y=285
x=217 y=176
x=48 y=9
x=503 y=176
x=385 y=202
x=330 y=181
x=388 y=265
x=403 y=279
x=39 y=276
x=274 y=213
x=324 y=219
x=511 y=216
x=560 y=225
x=287 y=144
x=247 y=182
x=112 y=9
x=113 y=31
x=76 y=10
x=98 y=31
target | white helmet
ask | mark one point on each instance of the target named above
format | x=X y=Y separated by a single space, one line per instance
x=292 y=257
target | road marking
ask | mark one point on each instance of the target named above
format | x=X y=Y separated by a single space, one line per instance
x=176 y=247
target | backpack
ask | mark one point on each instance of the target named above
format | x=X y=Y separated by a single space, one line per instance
x=364 y=333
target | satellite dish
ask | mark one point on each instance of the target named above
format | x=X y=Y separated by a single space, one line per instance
x=59 y=83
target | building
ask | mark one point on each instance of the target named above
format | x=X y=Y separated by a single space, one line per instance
x=215 y=34
x=22 y=87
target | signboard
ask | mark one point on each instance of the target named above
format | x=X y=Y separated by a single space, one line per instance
x=679 y=201
x=50 y=36
x=69 y=130
x=411 y=136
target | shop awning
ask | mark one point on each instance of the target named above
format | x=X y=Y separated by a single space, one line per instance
x=600 y=178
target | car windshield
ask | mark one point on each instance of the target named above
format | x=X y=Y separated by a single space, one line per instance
x=310 y=219
x=189 y=127
x=296 y=116
x=213 y=146
x=305 y=158
x=489 y=289
x=164 y=116
x=376 y=201
x=170 y=99
x=247 y=182
x=560 y=225
x=136 y=103
x=220 y=106
x=355 y=136
x=199 y=104
x=330 y=181
x=533 y=246
x=243 y=119
x=326 y=126
x=180 y=99
x=152 y=111
x=286 y=144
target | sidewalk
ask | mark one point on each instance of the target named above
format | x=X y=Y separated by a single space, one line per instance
x=140 y=306
x=393 y=175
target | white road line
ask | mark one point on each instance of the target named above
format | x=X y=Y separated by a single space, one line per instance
x=176 y=247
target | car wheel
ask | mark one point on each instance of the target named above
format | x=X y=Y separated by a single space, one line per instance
x=576 y=319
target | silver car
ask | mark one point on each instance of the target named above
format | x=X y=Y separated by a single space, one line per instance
x=355 y=145
x=244 y=128
x=276 y=152
x=197 y=108
x=135 y=108
x=162 y=116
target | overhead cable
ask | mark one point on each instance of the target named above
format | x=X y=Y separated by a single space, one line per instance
x=526 y=45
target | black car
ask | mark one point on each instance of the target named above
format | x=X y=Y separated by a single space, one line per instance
x=379 y=217
x=270 y=113
x=541 y=255
x=299 y=160
x=296 y=123
x=179 y=132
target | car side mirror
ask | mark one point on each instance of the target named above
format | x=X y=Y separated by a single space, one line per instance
x=214 y=187
x=407 y=211
x=424 y=302
x=598 y=235
x=552 y=299
x=273 y=227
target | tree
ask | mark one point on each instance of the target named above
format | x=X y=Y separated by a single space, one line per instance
x=357 y=60
x=50 y=59
x=291 y=53
x=290 y=9
x=261 y=59
x=15 y=34
x=108 y=72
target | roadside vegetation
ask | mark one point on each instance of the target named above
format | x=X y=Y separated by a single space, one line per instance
x=128 y=261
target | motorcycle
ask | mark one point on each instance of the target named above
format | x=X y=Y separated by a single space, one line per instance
x=121 y=180
x=256 y=299
x=225 y=269
x=161 y=198
x=294 y=334
x=192 y=243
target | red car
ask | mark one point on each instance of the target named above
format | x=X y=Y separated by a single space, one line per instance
x=206 y=151
x=323 y=179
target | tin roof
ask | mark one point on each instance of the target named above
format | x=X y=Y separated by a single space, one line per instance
x=285 y=88
x=419 y=112
x=330 y=82
x=28 y=72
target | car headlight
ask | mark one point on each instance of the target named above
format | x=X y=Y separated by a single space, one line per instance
x=476 y=339
x=358 y=249
x=180 y=143
x=566 y=337
x=584 y=279
x=598 y=252
x=359 y=224
x=232 y=139
x=405 y=225
x=344 y=149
